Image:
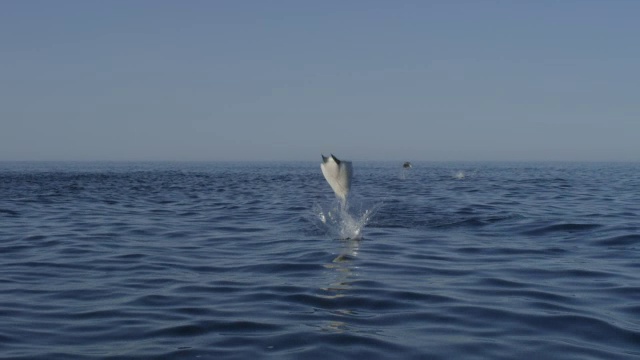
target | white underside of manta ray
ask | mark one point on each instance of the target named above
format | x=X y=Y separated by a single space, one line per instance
x=338 y=174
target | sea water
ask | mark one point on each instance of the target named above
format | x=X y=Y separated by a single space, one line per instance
x=259 y=260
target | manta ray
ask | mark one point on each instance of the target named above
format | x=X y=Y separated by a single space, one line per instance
x=338 y=175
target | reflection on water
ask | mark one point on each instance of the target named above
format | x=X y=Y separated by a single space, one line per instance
x=344 y=221
x=343 y=273
x=343 y=267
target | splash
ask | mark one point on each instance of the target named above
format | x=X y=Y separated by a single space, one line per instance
x=462 y=175
x=342 y=221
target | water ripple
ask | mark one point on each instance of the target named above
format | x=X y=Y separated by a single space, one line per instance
x=227 y=261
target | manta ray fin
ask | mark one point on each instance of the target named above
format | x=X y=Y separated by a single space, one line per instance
x=338 y=174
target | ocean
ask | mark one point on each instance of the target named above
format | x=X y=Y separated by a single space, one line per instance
x=187 y=260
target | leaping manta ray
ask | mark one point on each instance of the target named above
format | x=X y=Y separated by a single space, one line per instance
x=338 y=175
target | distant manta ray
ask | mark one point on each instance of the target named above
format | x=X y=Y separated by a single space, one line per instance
x=338 y=175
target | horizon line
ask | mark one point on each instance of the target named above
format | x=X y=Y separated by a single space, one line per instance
x=276 y=160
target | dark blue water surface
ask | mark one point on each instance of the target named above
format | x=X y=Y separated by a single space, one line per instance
x=242 y=261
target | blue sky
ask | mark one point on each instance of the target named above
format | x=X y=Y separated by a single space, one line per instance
x=288 y=80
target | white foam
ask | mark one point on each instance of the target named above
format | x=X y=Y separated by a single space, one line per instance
x=342 y=222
